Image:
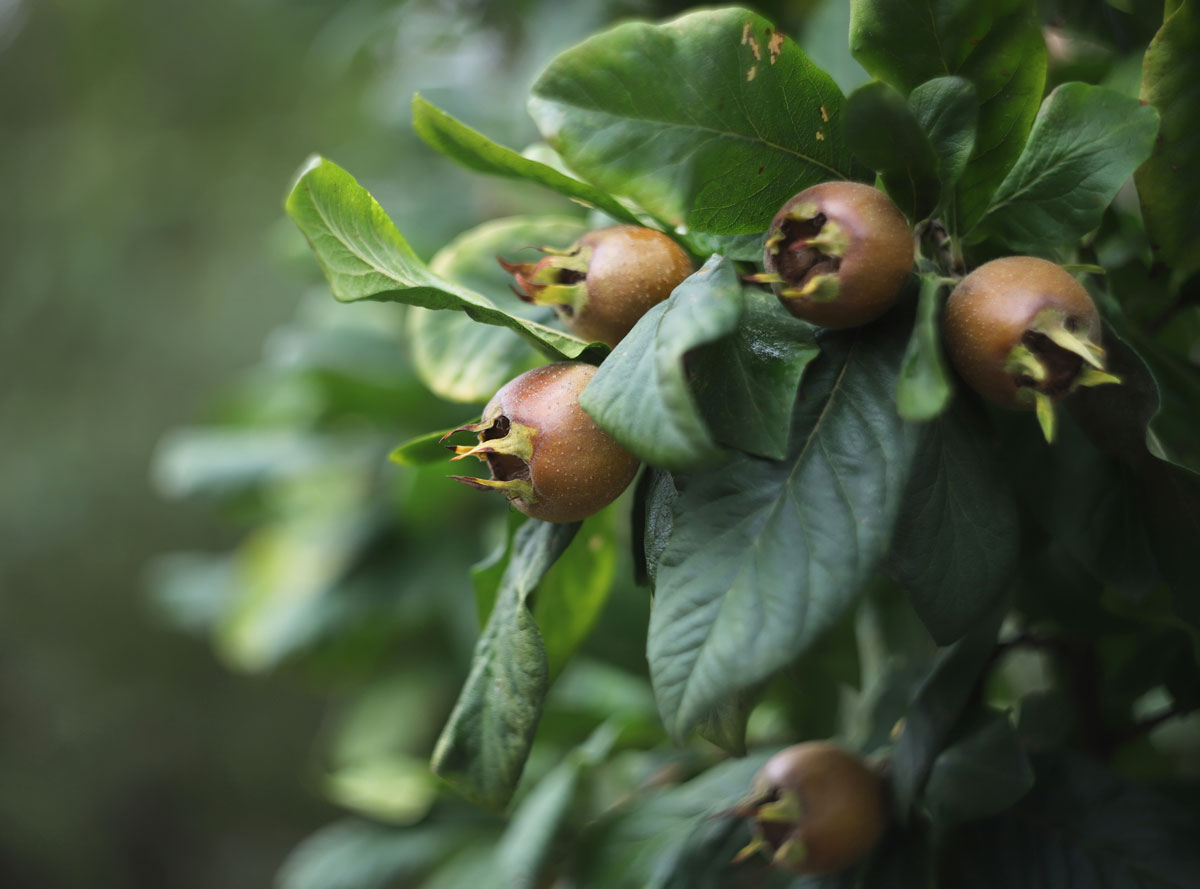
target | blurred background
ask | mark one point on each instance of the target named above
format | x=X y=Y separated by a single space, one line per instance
x=200 y=580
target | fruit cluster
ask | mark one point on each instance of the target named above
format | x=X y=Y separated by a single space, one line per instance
x=1020 y=331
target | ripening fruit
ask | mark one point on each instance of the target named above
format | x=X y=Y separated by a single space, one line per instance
x=604 y=282
x=816 y=809
x=837 y=254
x=548 y=457
x=1025 y=334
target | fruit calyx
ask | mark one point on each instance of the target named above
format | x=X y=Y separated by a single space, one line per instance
x=558 y=279
x=808 y=248
x=1053 y=358
x=506 y=447
x=774 y=814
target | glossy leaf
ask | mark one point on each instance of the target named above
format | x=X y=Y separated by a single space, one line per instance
x=957 y=540
x=984 y=771
x=948 y=111
x=905 y=159
x=464 y=361
x=935 y=710
x=746 y=383
x=710 y=121
x=924 y=389
x=640 y=394
x=484 y=745
x=365 y=257
x=995 y=44
x=1085 y=143
x=1166 y=183
x=1080 y=827
x=764 y=556
x=476 y=151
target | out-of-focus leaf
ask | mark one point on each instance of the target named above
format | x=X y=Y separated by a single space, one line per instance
x=727 y=121
x=365 y=257
x=936 y=708
x=957 y=539
x=485 y=743
x=476 y=151
x=1081 y=826
x=924 y=390
x=464 y=361
x=905 y=159
x=640 y=395
x=995 y=44
x=746 y=383
x=424 y=449
x=1166 y=183
x=396 y=789
x=764 y=556
x=1085 y=143
x=983 y=772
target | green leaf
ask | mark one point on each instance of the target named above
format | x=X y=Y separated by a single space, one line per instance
x=424 y=449
x=1166 y=183
x=746 y=383
x=464 y=361
x=1080 y=827
x=484 y=745
x=476 y=151
x=982 y=772
x=957 y=540
x=905 y=159
x=995 y=44
x=661 y=494
x=365 y=257
x=948 y=111
x=924 y=389
x=711 y=121
x=764 y=556
x=640 y=394
x=1085 y=143
x=935 y=710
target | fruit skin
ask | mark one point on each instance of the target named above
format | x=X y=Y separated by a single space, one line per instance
x=870 y=266
x=841 y=810
x=993 y=309
x=625 y=269
x=534 y=431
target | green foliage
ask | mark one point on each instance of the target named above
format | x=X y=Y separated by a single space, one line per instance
x=839 y=537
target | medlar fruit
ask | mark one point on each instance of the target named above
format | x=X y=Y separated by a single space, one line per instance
x=604 y=282
x=1023 y=333
x=548 y=457
x=837 y=254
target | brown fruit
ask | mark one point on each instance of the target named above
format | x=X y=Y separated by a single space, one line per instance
x=603 y=283
x=837 y=254
x=548 y=457
x=1023 y=333
x=816 y=808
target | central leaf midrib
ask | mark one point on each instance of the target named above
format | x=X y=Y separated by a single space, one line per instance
x=774 y=146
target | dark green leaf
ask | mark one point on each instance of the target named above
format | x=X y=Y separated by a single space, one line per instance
x=1167 y=184
x=948 y=112
x=903 y=860
x=746 y=383
x=936 y=709
x=1081 y=827
x=710 y=121
x=464 y=361
x=924 y=390
x=476 y=151
x=640 y=394
x=661 y=494
x=905 y=158
x=983 y=772
x=764 y=556
x=1085 y=142
x=740 y=248
x=483 y=747
x=957 y=540
x=725 y=724
x=995 y=44
x=365 y=257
